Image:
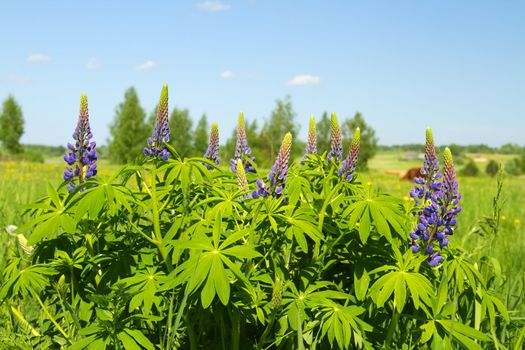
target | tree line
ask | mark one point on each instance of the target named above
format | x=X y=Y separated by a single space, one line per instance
x=131 y=124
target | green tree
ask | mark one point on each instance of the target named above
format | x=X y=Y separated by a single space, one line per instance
x=201 y=137
x=181 y=133
x=492 y=168
x=129 y=131
x=282 y=120
x=11 y=125
x=368 y=147
x=323 y=133
x=470 y=169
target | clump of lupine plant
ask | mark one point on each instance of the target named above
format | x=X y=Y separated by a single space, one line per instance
x=161 y=130
x=439 y=199
x=242 y=150
x=336 y=141
x=212 y=153
x=278 y=172
x=311 y=143
x=82 y=156
x=347 y=169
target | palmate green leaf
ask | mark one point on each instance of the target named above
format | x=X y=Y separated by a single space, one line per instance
x=220 y=280
x=31 y=279
x=463 y=334
x=489 y=304
x=429 y=329
x=91 y=202
x=378 y=209
x=462 y=271
x=140 y=338
x=144 y=286
x=128 y=342
x=47 y=229
x=49 y=216
x=361 y=281
x=340 y=323
x=397 y=282
x=297 y=186
x=301 y=222
x=208 y=266
x=364 y=225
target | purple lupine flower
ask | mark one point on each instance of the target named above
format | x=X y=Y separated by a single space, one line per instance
x=428 y=182
x=278 y=173
x=212 y=153
x=242 y=150
x=311 y=144
x=348 y=165
x=336 y=141
x=161 y=130
x=82 y=156
x=440 y=198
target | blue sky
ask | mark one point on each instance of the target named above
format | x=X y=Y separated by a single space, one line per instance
x=457 y=66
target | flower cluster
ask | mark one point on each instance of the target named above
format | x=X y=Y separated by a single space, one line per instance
x=348 y=165
x=278 y=172
x=82 y=156
x=439 y=198
x=161 y=131
x=336 y=143
x=242 y=181
x=311 y=144
x=212 y=153
x=242 y=150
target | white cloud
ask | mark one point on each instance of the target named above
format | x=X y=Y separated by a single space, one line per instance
x=214 y=6
x=92 y=64
x=38 y=58
x=304 y=79
x=228 y=74
x=17 y=79
x=148 y=65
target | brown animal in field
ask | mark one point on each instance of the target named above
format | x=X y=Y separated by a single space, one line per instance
x=412 y=173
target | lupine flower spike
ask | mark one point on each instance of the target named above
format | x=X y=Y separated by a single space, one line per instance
x=336 y=144
x=311 y=145
x=242 y=182
x=428 y=181
x=242 y=150
x=82 y=156
x=212 y=153
x=348 y=165
x=161 y=131
x=278 y=172
x=440 y=200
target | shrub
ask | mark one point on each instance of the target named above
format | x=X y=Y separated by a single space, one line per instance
x=492 y=168
x=470 y=169
x=513 y=167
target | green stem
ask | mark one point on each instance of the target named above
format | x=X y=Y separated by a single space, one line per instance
x=391 y=329
x=136 y=228
x=269 y=326
x=48 y=314
x=154 y=205
x=170 y=319
x=236 y=329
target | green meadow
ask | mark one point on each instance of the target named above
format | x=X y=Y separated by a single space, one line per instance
x=22 y=183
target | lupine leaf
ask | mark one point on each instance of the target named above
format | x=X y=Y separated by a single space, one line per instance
x=140 y=338
x=128 y=342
